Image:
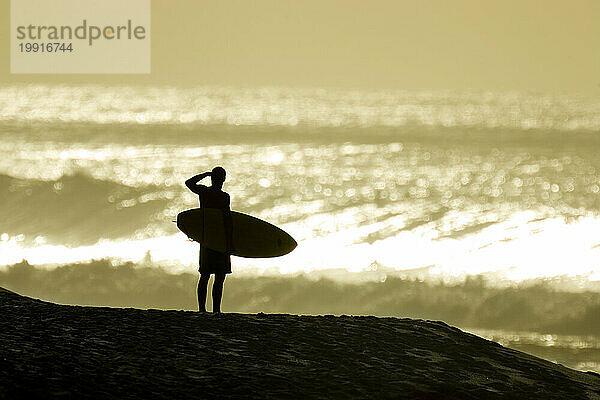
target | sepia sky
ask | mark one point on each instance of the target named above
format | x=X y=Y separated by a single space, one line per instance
x=527 y=45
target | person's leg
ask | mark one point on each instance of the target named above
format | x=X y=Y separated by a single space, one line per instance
x=217 y=292
x=202 y=285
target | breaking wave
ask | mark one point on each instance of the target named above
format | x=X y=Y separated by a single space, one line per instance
x=76 y=209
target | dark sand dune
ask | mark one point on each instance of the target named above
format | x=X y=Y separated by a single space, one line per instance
x=56 y=351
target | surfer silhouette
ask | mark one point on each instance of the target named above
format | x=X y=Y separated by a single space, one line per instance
x=212 y=261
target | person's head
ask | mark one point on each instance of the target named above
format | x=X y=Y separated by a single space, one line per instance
x=217 y=176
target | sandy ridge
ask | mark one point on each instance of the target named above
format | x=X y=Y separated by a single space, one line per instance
x=57 y=351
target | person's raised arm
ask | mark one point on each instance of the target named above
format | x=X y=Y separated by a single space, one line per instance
x=192 y=183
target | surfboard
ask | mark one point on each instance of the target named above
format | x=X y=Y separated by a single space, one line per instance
x=252 y=237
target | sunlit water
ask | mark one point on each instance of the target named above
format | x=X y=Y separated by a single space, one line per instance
x=578 y=352
x=503 y=184
x=433 y=185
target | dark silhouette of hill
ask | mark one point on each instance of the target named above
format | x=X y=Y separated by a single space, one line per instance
x=57 y=351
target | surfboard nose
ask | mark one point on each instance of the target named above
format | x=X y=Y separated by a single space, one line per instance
x=293 y=244
x=286 y=245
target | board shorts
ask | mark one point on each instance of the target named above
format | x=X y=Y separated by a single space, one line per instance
x=214 y=262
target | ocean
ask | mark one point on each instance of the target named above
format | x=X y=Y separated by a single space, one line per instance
x=433 y=186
